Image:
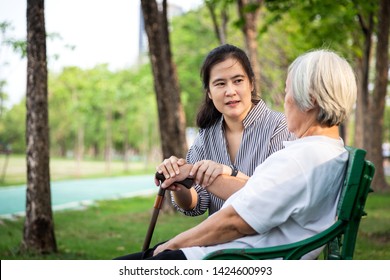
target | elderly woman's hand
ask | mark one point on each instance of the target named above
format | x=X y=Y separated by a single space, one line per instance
x=165 y=246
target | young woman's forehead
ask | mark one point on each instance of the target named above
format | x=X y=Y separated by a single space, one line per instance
x=228 y=66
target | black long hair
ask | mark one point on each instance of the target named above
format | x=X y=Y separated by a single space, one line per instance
x=208 y=114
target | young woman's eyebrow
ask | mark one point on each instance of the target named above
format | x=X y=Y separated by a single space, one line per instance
x=237 y=76
x=231 y=78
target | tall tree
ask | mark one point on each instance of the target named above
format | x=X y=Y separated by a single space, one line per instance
x=38 y=234
x=221 y=13
x=249 y=11
x=373 y=18
x=360 y=42
x=170 y=110
x=378 y=102
x=363 y=41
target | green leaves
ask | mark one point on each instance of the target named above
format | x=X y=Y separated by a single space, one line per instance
x=97 y=100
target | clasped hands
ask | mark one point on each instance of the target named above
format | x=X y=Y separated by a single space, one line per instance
x=176 y=169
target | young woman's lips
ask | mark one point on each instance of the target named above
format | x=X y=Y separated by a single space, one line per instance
x=232 y=103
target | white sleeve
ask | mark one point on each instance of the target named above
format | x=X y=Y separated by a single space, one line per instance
x=274 y=192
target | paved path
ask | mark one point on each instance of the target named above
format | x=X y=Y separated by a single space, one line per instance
x=77 y=193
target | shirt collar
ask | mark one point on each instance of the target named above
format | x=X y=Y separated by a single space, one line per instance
x=254 y=114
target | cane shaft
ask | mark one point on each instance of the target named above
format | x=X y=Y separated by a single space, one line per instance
x=157 y=206
x=188 y=182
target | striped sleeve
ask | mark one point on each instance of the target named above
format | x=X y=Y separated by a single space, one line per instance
x=195 y=154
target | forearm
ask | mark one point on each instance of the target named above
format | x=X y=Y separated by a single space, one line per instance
x=186 y=198
x=224 y=226
x=224 y=185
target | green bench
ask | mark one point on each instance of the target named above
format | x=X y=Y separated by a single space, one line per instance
x=340 y=238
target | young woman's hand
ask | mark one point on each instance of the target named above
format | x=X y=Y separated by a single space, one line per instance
x=206 y=171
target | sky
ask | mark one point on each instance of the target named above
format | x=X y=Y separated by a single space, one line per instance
x=101 y=31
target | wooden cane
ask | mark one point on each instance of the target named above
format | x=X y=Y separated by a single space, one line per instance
x=188 y=182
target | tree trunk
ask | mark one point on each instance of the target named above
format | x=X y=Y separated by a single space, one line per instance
x=363 y=68
x=249 y=11
x=361 y=104
x=126 y=148
x=170 y=110
x=109 y=145
x=219 y=29
x=79 y=147
x=378 y=103
x=38 y=234
x=79 y=141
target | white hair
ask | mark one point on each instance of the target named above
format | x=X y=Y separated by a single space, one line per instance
x=324 y=79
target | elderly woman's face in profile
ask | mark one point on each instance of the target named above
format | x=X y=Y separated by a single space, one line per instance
x=296 y=119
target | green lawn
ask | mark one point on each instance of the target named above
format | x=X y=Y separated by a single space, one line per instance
x=103 y=231
x=374 y=236
x=113 y=228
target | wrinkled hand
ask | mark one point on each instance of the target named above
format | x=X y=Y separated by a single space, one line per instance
x=206 y=171
x=161 y=248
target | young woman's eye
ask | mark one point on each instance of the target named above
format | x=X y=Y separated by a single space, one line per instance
x=238 y=81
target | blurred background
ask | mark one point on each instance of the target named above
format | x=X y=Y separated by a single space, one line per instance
x=102 y=104
x=104 y=110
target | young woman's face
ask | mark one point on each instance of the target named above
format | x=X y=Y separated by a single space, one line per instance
x=230 y=89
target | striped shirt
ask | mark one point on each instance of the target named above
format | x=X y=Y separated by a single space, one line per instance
x=264 y=133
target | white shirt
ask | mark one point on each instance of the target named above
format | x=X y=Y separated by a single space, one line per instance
x=292 y=195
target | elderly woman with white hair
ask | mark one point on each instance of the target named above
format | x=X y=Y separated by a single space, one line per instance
x=293 y=194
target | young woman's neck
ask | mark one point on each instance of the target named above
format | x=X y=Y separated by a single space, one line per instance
x=233 y=134
x=233 y=126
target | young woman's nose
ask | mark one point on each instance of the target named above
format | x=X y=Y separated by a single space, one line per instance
x=230 y=90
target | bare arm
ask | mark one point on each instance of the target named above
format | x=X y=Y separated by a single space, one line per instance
x=223 y=226
x=185 y=198
x=223 y=186
x=205 y=172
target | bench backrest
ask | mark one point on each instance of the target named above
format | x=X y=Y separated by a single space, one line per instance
x=360 y=173
x=340 y=238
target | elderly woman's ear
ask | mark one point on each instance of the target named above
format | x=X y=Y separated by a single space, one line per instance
x=313 y=100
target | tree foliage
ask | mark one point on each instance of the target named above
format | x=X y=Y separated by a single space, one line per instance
x=94 y=111
x=95 y=101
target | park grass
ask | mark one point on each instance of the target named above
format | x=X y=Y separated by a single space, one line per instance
x=374 y=235
x=103 y=231
x=112 y=228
